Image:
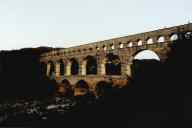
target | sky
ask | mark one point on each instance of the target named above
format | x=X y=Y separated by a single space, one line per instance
x=147 y=55
x=66 y=23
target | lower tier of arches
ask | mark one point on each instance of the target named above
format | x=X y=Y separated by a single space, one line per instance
x=81 y=85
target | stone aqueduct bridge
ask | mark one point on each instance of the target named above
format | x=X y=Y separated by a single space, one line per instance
x=107 y=60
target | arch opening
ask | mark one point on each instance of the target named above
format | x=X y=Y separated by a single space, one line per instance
x=130 y=44
x=102 y=88
x=120 y=45
x=74 y=67
x=188 y=35
x=146 y=55
x=144 y=62
x=161 y=39
x=91 y=65
x=113 y=64
x=112 y=46
x=62 y=68
x=65 y=88
x=139 y=43
x=81 y=88
x=149 y=41
x=174 y=37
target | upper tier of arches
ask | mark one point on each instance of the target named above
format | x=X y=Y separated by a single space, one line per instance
x=123 y=42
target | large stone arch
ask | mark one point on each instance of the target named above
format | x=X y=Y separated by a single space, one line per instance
x=112 y=64
x=141 y=57
x=65 y=88
x=89 y=65
x=74 y=66
x=50 y=68
x=173 y=37
x=81 y=88
x=102 y=87
x=149 y=51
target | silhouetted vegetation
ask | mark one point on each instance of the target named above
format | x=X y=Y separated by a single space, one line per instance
x=20 y=74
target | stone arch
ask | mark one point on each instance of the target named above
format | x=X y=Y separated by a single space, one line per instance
x=62 y=67
x=81 y=88
x=104 y=47
x=145 y=53
x=112 y=46
x=65 y=88
x=150 y=40
x=174 y=37
x=161 y=39
x=142 y=59
x=139 y=42
x=132 y=60
x=90 y=65
x=188 y=35
x=112 y=64
x=97 y=48
x=130 y=44
x=74 y=66
x=121 y=45
x=102 y=88
x=66 y=82
x=51 y=68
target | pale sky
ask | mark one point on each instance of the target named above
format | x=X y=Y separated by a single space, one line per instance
x=65 y=23
x=147 y=54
